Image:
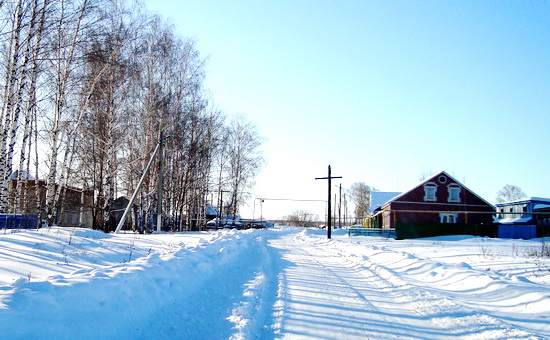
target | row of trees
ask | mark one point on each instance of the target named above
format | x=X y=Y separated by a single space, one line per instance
x=88 y=89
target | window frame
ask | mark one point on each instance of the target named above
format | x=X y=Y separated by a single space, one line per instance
x=454 y=188
x=430 y=189
x=448 y=218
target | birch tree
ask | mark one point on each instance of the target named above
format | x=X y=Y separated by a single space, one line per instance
x=13 y=76
x=98 y=82
x=510 y=193
x=107 y=73
x=244 y=160
x=24 y=23
x=360 y=194
x=69 y=38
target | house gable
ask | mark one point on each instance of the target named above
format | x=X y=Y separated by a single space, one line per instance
x=434 y=203
x=442 y=190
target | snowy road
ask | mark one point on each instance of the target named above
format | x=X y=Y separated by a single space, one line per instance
x=281 y=283
x=325 y=293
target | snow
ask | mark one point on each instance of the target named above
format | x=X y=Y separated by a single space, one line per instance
x=280 y=283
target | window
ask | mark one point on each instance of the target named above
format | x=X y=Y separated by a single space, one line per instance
x=448 y=218
x=429 y=192
x=454 y=193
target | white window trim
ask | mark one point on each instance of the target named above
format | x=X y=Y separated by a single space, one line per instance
x=442 y=217
x=450 y=189
x=430 y=185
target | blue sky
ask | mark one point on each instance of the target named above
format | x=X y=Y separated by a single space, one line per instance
x=384 y=91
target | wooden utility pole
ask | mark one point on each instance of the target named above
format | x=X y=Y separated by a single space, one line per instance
x=160 y=183
x=329 y=212
x=340 y=207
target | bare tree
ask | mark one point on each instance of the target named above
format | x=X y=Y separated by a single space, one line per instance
x=301 y=218
x=244 y=159
x=360 y=195
x=96 y=83
x=68 y=40
x=14 y=79
x=510 y=193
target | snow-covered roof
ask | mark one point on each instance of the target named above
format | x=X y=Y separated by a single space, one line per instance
x=379 y=198
x=518 y=220
x=24 y=175
x=541 y=206
x=525 y=200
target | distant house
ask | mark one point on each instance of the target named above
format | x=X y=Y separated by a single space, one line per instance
x=528 y=211
x=440 y=199
x=75 y=209
x=524 y=218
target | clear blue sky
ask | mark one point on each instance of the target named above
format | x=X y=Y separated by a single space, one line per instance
x=382 y=90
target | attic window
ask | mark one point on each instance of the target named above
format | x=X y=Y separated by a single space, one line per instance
x=429 y=192
x=442 y=179
x=454 y=193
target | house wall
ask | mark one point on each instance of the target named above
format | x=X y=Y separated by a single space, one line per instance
x=77 y=208
x=29 y=201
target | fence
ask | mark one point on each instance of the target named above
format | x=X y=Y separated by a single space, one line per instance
x=388 y=233
x=429 y=223
x=405 y=230
x=13 y=221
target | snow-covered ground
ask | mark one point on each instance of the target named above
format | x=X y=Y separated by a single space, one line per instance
x=269 y=284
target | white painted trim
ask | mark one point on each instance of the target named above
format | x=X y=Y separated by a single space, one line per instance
x=430 y=185
x=449 y=190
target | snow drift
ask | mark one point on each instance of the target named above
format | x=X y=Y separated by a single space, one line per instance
x=280 y=283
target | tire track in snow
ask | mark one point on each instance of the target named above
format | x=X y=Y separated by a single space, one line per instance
x=448 y=310
x=419 y=311
x=320 y=298
x=440 y=310
x=331 y=286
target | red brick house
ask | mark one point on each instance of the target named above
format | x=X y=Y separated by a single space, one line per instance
x=440 y=199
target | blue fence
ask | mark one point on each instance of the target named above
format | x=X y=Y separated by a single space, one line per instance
x=525 y=232
x=389 y=233
x=10 y=221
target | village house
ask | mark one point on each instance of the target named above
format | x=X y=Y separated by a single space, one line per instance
x=524 y=218
x=432 y=208
x=26 y=197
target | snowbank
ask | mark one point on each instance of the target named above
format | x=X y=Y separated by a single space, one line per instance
x=77 y=283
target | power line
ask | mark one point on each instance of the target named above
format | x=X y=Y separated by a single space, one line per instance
x=289 y=199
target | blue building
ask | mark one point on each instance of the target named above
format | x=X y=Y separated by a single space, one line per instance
x=527 y=211
x=524 y=218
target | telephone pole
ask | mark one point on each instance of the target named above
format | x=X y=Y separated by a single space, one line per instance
x=160 y=183
x=329 y=212
x=340 y=207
